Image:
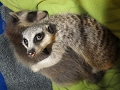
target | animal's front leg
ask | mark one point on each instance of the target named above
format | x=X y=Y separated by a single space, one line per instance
x=54 y=58
x=44 y=63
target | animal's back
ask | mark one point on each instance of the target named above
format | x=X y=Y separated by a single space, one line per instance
x=88 y=38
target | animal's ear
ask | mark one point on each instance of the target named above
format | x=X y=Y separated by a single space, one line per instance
x=41 y=15
x=52 y=28
x=15 y=17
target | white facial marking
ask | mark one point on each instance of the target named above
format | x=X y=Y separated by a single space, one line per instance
x=30 y=33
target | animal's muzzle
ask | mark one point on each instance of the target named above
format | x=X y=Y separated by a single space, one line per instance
x=31 y=53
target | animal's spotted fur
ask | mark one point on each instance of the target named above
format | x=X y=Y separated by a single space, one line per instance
x=88 y=38
x=72 y=66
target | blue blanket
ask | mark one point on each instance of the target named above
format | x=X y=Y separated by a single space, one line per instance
x=2 y=24
x=2 y=83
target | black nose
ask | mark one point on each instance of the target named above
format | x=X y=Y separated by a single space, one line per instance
x=31 y=53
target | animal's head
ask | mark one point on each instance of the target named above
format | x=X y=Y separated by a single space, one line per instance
x=28 y=18
x=37 y=37
x=19 y=21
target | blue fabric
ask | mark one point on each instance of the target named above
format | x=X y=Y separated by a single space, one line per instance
x=2 y=24
x=2 y=83
x=0 y=4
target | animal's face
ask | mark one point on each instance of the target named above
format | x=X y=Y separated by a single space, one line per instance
x=28 y=18
x=37 y=37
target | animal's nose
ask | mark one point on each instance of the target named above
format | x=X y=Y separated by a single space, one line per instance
x=31 y=53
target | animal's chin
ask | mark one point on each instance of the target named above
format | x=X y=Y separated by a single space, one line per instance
x=31 y=55
x=45 y=51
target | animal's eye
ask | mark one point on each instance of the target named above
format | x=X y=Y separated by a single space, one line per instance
x=39 y=37
x=25 y=41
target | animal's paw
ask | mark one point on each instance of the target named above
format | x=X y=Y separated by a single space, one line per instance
x=35 y=68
